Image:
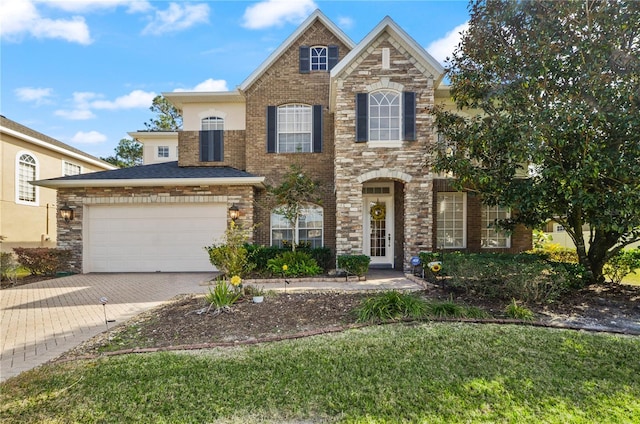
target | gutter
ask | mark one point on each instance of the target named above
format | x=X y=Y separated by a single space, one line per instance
x=150 y=182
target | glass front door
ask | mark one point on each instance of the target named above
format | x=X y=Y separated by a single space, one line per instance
x=378 y=226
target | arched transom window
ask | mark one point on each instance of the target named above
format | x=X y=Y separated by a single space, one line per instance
x=212 y=123
x=27 y=171
x=384 y=116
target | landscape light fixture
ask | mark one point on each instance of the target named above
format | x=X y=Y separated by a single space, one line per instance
x=66 y=213
x=234 y=212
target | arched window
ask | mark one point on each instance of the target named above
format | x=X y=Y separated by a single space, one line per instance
x=212 y=123
x=384 y=116
x=319 y=58
x=27 y=170
x=295 y=126
x=307 y=231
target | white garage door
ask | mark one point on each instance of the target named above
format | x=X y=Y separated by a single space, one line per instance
x=150 y=238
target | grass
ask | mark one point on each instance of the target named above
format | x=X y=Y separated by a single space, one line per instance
x=430 y=372
x=633 y=279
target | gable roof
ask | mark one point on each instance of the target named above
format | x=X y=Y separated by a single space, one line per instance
x=317 y=15
x=21 y=132
x=387 y=24
x=163 y=174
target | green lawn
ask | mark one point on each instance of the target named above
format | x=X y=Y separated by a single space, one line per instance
x=632 y=278
x=431 y=372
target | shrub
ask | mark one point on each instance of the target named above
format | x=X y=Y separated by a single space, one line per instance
x=43 y=260
x=354 y=264
x=515 y=311
x=8 y=266
x=391 y=305
x=231 y=257
x=260 y=256
x=506 y=276
x=298 y=264
x=622 y=264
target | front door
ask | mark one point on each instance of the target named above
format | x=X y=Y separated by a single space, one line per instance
x=378 y=229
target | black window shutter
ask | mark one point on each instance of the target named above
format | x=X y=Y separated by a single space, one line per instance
x=317 y=128
x=212 y=146
x=272 y=135
x=362 y=118
x=332 y=57
x=204 y=146
x=409 y=105
x=218 y=146
x=305 y=59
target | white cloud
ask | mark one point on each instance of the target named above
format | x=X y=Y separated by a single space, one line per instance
x=345 y=22
x=20 y=18
x=84 y=6
x=270 y=13
x=207 y=85
x=91 y=137
x=75 y=115
x=176 y=18
x=135 y=99
x=444 y=47
x=30 y=94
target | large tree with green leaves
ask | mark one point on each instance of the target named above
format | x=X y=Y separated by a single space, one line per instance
x=550 y=95
x=128 y=153
x=167 y=118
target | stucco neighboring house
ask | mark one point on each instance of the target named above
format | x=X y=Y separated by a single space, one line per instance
x=355 y=116
x=28 y=213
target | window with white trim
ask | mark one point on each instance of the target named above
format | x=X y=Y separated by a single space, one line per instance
x=27 y=170
x=492 y=237
x=163 y=151
x=294 y=128
x=308 y=230
x=452 y=220
x=69 y=168
x=384 y=116
x=319 y=57
x=211 y=123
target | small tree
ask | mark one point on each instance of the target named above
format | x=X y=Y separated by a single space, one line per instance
x=295 y=191
x=128 y=153
x=231 y=257
x=168 y=116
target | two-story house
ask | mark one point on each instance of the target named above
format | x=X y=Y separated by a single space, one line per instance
x=28 y=214
x=355 y=117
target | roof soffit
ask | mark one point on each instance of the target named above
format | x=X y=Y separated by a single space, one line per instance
x=273 y=57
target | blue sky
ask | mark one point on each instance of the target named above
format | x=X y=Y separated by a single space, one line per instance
x=85 y=71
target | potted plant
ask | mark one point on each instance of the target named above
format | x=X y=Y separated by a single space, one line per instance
x=258 y=294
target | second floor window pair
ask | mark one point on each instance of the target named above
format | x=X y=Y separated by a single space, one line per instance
x=212 y=139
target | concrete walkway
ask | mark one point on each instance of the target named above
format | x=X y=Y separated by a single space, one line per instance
x=40 y=321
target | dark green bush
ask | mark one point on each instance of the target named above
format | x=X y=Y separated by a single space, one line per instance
x=526 y=277
x=260 y=256
x=354 y=264
x=294 y=264
x=43 y=260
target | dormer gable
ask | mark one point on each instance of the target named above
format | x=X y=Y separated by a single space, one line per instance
x=401 y=41
x=312 y=57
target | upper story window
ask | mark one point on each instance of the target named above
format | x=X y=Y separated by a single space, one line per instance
x=27 y=170
x=163 y=151
x=212 y=123
x=384 y=116
x=69 y=168
x=294 y=128
x=318 y=58
x=492 y=237
x=307 y=231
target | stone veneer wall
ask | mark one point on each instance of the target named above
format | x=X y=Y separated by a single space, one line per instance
x=70 y=233
x=357 y=163
x=234 y=149
x=282 y=83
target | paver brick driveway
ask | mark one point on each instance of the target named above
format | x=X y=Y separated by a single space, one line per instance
x=40 y=321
